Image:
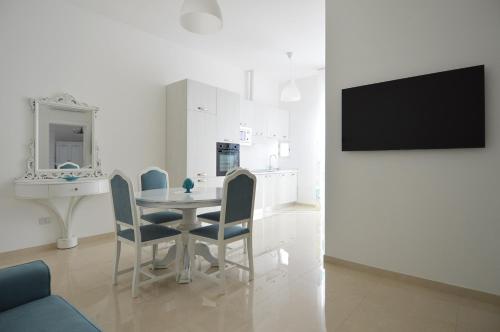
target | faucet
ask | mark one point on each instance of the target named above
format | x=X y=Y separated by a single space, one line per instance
x=271 y=161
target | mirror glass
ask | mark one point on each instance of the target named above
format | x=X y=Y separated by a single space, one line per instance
x=64 y=136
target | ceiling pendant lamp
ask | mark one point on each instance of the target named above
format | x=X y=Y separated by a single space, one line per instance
x=201 y=16
x=290 y=91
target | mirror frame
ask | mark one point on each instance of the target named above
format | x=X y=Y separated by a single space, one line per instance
x=63 y=102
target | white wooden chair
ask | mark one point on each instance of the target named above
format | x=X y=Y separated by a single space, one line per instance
x=130 y=231
x=156 y=178
x=235 y=224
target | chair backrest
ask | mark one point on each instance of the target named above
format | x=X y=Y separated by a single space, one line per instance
x=68 y=165
x=238 y=199
x=153 y=178
x=124 y=208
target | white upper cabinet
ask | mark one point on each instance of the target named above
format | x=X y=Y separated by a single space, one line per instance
x=278 y=124
x=247 y=114
x=201 y=97
x=228 y=116
x=260 y=120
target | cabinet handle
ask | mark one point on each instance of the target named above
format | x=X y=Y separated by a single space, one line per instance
x=202 y=108
x=75 y=189
x=202 y=180
x=201 y=174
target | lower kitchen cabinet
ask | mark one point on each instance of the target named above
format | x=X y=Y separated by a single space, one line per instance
x=274 y=189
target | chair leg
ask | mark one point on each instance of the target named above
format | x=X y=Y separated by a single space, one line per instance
x=222 y=265
x=155 y=250
x=117 y=261
x=245 y=242
x=137 y=272
x=250 y=257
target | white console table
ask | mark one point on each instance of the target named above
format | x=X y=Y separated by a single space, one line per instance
x=61 y=197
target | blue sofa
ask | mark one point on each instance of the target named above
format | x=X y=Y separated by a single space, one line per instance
x=27 y=305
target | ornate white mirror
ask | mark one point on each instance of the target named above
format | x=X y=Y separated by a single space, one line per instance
x=63 y=143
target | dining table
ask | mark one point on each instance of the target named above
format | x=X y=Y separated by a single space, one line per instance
x=188 y=204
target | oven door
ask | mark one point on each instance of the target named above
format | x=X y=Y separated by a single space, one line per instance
x=228 y=157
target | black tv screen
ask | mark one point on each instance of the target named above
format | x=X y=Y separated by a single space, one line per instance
x=435 y=111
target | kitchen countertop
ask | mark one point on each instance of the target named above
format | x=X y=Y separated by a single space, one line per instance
x=274 y=171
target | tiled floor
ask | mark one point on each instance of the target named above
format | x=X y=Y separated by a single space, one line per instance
x=292 y=291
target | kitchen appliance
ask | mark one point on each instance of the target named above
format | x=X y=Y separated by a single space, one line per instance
x=228 y=157
x=245 y=136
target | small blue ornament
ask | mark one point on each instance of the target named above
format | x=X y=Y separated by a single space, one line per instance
x=188 y=184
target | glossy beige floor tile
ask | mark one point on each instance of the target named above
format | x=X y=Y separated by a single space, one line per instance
x=292 y=290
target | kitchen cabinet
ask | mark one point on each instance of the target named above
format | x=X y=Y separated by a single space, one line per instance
x=191 y=130
x=247 y=114
x=202 y=136
x=265 y=121
x=291 y=185
x=259 y=192
x=201 y=97
x=260 y=120
x=228 y=116
x=278 y=120
x=274 y=189
x=269 y=192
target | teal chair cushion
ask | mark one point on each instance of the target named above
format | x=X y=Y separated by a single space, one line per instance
x=212 y=231
x=48 y=314
x=149 y=233
x=214 y=216
x=161 y=217
x=153 y=180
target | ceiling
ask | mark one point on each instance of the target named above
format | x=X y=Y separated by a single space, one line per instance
x=256 y=33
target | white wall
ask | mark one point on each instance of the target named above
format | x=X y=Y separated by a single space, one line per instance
x=307 y=137
x=433 y=214
x=49 y=47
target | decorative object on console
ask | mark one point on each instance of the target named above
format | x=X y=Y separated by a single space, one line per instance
x=70 y=178
x=63 y=140
x=188 y=184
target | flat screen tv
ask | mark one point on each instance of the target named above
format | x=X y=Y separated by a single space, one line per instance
x=435 y=111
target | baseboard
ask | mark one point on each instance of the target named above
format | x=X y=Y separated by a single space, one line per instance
x=52 y=246
x=436 y=285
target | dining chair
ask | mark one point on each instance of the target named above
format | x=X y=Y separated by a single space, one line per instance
x=156 y=178
x=68 y=165
x=213 y=217
x=235 y=224
x=129 y=230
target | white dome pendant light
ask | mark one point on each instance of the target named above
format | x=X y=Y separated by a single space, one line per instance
x=290 y=91
x=201 y=16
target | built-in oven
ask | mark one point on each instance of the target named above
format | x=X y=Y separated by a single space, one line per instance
x=228 y=157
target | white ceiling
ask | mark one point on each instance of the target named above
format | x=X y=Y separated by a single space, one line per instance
x=256 y=33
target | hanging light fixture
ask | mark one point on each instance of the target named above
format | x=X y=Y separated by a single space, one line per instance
x=201 y=16
x=290 y=91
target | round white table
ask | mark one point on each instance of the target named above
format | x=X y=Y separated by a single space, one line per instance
x=176 y=198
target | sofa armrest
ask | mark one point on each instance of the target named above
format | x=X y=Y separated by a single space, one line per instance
x=23 y=283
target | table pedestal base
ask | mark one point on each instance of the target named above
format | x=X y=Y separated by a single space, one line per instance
x=201 y=249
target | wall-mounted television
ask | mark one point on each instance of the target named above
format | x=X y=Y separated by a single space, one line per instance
x=436 y=111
